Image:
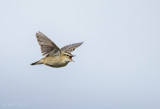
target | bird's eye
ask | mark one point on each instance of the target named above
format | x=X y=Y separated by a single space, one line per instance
x=67 y=55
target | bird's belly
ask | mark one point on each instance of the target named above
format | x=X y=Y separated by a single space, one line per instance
x=56 y=64
x=52 y=62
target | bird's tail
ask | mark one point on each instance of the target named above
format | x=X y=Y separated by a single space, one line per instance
x=37 y=62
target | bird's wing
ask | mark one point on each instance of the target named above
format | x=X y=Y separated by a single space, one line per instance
x=71 y=47
x=48 y=48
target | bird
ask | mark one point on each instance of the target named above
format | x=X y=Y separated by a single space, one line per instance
x=53 y=55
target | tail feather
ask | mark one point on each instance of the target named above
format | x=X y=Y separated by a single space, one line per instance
x=37 y=62
x=34 y=63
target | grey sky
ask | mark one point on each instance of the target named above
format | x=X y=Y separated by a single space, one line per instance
x=117 y=67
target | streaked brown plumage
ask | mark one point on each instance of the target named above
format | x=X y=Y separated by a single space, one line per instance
x=54 y=56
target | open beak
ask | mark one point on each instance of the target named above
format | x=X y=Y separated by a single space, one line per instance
x=71 y=58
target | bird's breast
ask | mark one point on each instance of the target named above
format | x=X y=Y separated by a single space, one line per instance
x=55 y=62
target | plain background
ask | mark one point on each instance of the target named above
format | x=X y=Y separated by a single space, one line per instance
x=117 y=67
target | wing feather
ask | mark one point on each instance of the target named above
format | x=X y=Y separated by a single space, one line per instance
x=48 y=48
x=71 y=47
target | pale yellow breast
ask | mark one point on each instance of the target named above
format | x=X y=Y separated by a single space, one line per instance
x=55 y=61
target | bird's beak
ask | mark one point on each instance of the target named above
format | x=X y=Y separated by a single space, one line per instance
x=71 y=58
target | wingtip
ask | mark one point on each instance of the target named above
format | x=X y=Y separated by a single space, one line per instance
x=81 y=43
x=38 y=33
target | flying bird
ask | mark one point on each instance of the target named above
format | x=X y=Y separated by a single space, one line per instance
x=53 y=55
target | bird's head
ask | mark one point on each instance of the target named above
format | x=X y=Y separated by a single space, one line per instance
x=67 y=56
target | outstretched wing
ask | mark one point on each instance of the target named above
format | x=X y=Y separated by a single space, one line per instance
x=71 y=47
x=48 y=48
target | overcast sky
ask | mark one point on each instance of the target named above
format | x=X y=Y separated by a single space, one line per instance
x=117 y=67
